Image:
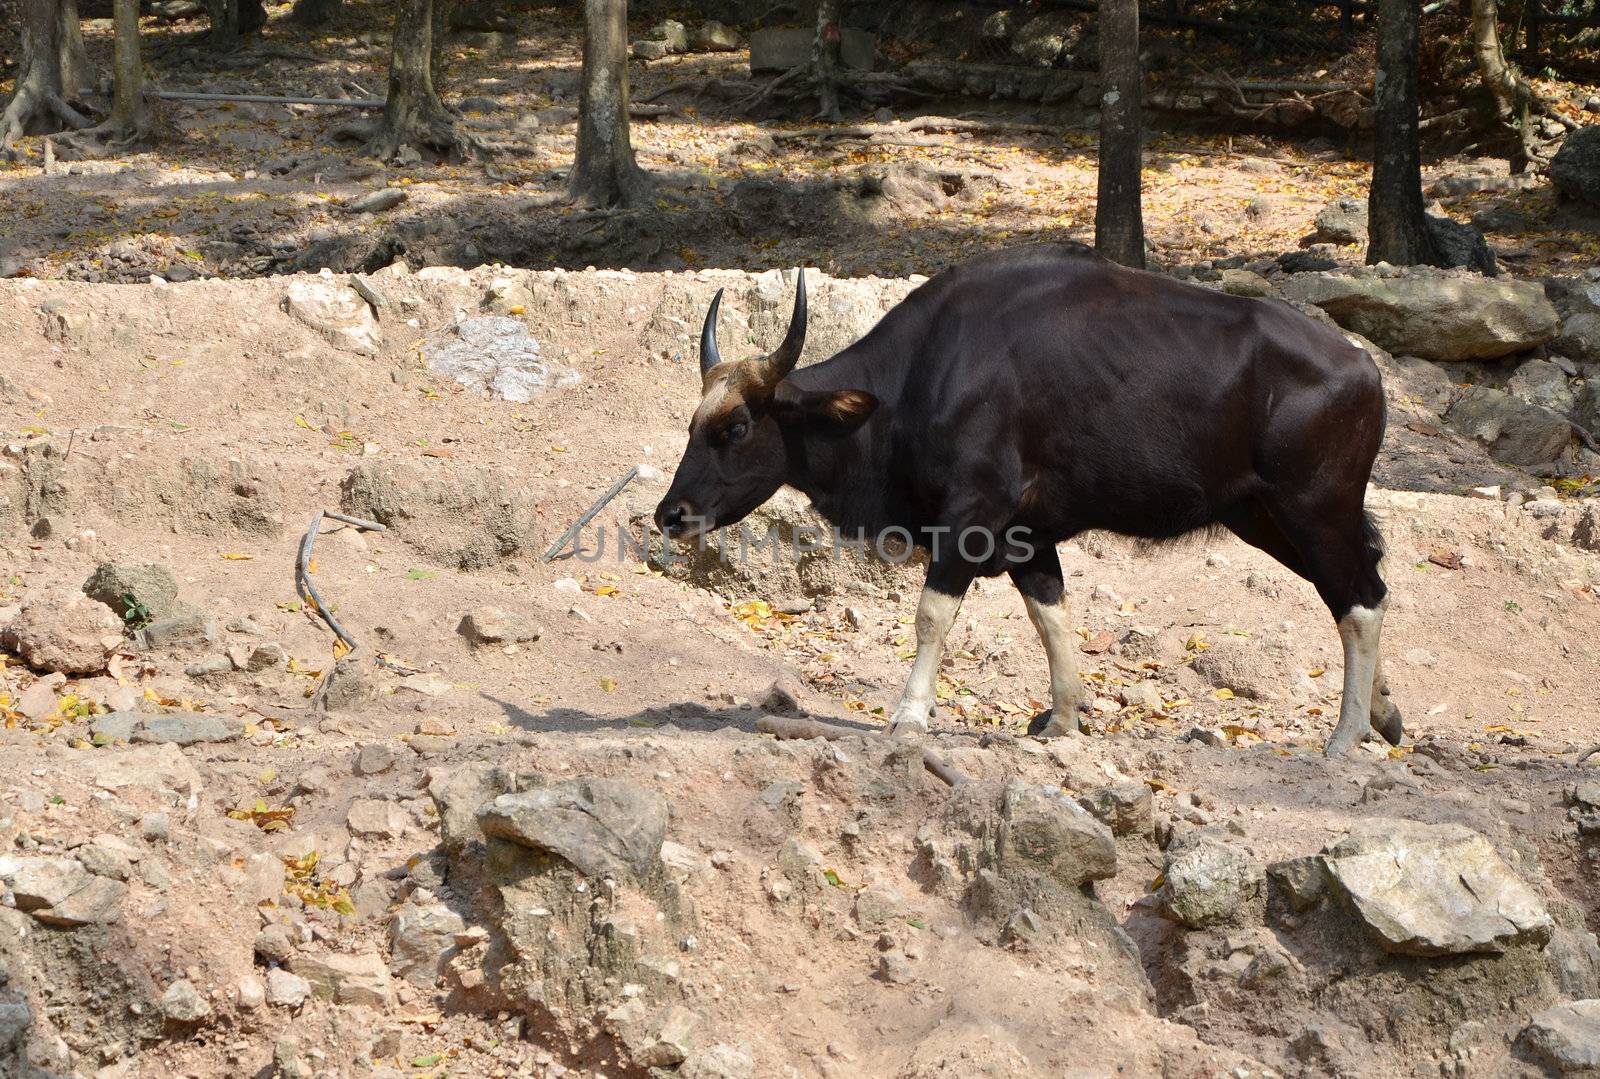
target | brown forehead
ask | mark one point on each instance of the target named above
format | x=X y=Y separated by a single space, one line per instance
x=725 y=387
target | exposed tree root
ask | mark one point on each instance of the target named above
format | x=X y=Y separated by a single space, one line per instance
x=425 y=130
x=37 y=112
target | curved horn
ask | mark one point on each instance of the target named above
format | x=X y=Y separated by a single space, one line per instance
x=709 y=356
x=781 y=362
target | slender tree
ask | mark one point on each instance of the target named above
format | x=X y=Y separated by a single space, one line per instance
x=1397 y=224
x=1513 y=97
x=1118 y=219
x=129 y=119
x=54 y=68
x=414 y=115
x=605 y=172
x=825 y=60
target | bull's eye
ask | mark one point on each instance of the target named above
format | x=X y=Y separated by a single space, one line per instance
x=738 y=431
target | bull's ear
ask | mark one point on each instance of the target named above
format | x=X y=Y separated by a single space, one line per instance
x=842 y=410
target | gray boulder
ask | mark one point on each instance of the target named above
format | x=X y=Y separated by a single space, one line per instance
x=1210 y=882
x=1565 y=1038
x=671 y=33
x=1432 y=315
x=713 y=36
x=1342 y=221
x=1580 y=337
x=187 y=729
x=1586 y=408
x=1045 y=39
x=1575 y=169
x=603 y=827
x=421 y=938
x=1461 y=245
x=1513 y=431
x=1434 y=889
x=1542 y=383
x=1041 y=828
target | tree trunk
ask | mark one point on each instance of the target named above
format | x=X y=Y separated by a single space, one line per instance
x=315 y=12
x=128 y=118
x=825 y=60
x=54 y=68
x=1395 y=219
x=605 y=172
x=1513 y=97
x=1118 y=219
x=231 y=20
x=414 y=116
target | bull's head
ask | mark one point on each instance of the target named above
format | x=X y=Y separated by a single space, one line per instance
x=751 y=418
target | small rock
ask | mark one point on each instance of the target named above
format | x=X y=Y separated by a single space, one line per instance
x=895 y=968
x=421 y=939
x=209 y=666
x=347 y=979
x=264 y=877
x=155 y=827
x=183 y=631
x=377 y=817
x=337 y=312
x=65 y=631
x=1145 y=693
x=1125 y=808
x=649 y=50
x=266 y=656
x=39 y=699
x=252 y=993
x=187 y=729
x=374 y=759
x=1565 y=1037
x=375 y=202
x=272 y=945
x=50 y=527
x=879 y=906
x=42 y=882
x=492 y=625
x=286 y=990
x=96 y=903
x=115 y=727
x=134 y=594
x=671 y=33
x=1210 y=883
x=105 y=861
x=349 y=686
x=1342 y=221
x=183 y=1004
x=1023 y=925
x=780 y=699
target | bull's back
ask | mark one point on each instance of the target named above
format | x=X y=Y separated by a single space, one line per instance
x=1103 y=397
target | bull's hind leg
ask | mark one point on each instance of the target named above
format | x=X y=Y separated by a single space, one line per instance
x=1338 y=551
x=1043 y=593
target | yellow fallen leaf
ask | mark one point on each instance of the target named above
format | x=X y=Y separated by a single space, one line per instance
x=300 y=421
x=608 y=684
x=1223 y=694
x=1316 y=672
x=340 y=649
x=235 y=556
x=606 y=590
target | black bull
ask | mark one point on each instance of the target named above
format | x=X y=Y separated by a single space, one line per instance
x=1035 y=393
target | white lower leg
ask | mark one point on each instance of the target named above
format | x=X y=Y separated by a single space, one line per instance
x=1053 y=622
x=1359 y=632
x=936 y=612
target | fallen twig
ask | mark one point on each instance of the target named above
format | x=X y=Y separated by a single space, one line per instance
x=302 y=570
x=920 y=123
x=801 y=729
x=588 y=515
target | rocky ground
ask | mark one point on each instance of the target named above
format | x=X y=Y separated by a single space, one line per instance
x=529 y=826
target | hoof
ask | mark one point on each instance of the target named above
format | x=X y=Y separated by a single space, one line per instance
x=1388 y=723
x=907 y=725
x=1339 y=747
x=1047 y=725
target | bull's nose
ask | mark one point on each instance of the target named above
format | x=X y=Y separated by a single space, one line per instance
x=672 y=516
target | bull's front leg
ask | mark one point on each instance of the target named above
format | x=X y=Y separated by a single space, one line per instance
x=941 y=599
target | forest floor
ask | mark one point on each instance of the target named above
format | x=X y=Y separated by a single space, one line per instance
x=244 y=189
